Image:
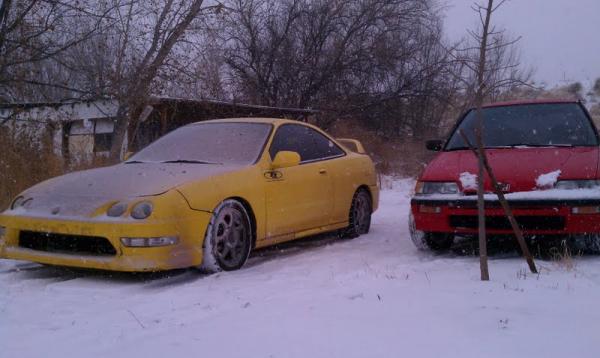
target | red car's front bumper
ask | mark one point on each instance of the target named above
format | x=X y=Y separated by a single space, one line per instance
x=536 y=217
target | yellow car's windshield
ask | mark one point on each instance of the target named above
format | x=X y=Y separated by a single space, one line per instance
x=208 y=143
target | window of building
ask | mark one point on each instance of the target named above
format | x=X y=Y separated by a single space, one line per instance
x=102 y=142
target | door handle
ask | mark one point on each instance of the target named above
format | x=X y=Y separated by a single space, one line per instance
x=322 y=171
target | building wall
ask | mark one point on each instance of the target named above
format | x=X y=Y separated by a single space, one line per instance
x=89 y=122
x=90 y=137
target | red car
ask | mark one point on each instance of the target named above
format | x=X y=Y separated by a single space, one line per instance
x=545 y=154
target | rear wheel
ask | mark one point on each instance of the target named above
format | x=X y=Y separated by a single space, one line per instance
x=228 y=238
x=360 y=214
x=428 y=240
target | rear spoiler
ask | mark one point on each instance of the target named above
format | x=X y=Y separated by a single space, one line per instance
x=352 y=144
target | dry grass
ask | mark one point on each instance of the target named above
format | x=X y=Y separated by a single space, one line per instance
x=400 y=156
x=563 y=256
x=26 y=160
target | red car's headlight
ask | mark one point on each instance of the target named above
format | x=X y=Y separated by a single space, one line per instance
x=431 y=187
x=577 y=184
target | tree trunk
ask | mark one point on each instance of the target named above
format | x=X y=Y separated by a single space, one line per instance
x=119 y=132
x=507 y=211
x=483 y=262
x=483 y=259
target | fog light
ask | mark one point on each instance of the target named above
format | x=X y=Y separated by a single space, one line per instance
x=149 y=241
x=430 y=209
x=585 y=210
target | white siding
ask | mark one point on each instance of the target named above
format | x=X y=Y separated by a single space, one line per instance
x=104 y=125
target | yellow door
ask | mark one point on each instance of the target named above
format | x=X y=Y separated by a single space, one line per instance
x=298 y=198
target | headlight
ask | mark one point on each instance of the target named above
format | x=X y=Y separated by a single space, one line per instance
x=430 y=187
x=577 y=184
x=117 y=210
x=141 y=210
x=149 y=241
x=18 y=202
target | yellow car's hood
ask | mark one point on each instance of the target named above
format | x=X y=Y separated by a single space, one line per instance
x=82 y=193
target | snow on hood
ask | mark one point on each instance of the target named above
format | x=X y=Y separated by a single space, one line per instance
x=81 y=193
x=468 y=181
x=519 y=168
x=547 y=180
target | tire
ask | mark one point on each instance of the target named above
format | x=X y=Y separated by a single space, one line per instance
x=360 y=215
x=587 y=243
x=428 y=240
x=228 y=238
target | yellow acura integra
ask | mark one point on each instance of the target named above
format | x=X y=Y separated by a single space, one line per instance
x=203 y=195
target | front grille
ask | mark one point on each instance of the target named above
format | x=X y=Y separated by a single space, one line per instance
x=502 y=223
x=68 y=244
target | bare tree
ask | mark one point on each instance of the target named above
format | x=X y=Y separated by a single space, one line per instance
x=379 y=61
x=145 y=36
x=490 y=76
x=33 y=32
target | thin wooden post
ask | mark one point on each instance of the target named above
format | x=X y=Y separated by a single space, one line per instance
x=504 y=203
x=483 y=258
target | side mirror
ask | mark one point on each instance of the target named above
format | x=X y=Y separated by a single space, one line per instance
x=127 y=155
x=434 y=145
x=285 y=159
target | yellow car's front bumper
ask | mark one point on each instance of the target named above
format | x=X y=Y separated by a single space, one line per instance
x=187 y=252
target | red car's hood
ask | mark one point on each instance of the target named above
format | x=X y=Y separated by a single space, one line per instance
x=517 y=167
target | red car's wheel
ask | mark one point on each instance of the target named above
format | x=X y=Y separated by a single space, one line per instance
x=428 y=240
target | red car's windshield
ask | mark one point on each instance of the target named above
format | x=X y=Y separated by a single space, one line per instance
x=535 y=125
x=218 y=143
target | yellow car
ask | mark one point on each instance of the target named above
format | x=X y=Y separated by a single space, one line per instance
x=203 y=195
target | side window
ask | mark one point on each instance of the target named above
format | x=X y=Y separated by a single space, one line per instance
x=310 y=144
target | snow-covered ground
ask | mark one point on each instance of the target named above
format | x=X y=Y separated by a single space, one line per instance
x=375 y=296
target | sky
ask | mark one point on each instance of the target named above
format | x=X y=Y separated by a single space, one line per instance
x=560 y=38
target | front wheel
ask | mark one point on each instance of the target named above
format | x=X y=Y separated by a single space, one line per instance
x=428 y=240
x=360 y=214
x=228 y=238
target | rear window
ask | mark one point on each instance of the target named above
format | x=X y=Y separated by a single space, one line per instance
x=535 y=125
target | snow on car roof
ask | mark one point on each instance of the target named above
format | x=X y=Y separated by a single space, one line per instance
x=530 y=101
x=247 y=120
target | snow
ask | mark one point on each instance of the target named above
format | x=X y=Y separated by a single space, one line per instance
x=546 y=181
x=468 y=181
x=374 y=296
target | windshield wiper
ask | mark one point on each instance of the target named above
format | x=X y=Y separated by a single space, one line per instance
x=134 y=162
x=511 y=146
x=539 y=145
x=189 y=161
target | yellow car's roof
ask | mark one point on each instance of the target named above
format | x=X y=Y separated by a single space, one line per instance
x=249 y=120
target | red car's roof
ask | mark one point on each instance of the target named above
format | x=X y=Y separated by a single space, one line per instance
x=529 y=101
